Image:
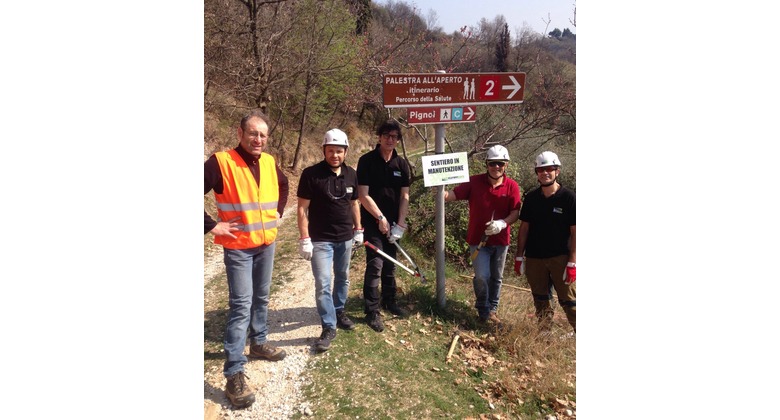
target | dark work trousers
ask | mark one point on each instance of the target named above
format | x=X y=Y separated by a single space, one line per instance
x=540 y=272
x=378 y=269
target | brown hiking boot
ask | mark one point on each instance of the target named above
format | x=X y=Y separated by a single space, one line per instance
x=238 y=391
x=497 y=325
x=267 y=352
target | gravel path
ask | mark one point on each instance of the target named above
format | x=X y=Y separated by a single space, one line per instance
x=293 y=325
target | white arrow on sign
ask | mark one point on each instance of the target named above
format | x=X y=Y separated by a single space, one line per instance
x=468 y=114
x=515 y=86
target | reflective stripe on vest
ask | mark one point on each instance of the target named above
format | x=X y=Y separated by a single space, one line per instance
x=247 y=206
x=243 y=197
x=257 y=226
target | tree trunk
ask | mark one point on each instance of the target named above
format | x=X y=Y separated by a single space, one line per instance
x=296 y=158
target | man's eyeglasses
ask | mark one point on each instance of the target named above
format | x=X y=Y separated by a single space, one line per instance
x=497 y=163
x=254 y=134
x=546 y=169
x=393 y=137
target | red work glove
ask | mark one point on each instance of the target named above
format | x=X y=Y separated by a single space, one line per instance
x=570 y=275
x=519 y=267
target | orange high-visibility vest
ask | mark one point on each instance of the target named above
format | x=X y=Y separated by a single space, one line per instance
x=242 y=196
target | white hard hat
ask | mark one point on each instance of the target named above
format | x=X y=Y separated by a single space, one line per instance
x=497 y=152
x=335 y=137
x=547 y=159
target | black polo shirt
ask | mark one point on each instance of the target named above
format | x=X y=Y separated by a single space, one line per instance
x=330 y=214
x=384 y=181
x=549 y=220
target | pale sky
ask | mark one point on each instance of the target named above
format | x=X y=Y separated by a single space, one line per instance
x=454 y=14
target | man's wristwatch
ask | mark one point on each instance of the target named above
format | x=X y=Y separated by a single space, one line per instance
x=380 y=218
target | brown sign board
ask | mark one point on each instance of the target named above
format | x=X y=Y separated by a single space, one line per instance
x=441 y=115
x=415 y=90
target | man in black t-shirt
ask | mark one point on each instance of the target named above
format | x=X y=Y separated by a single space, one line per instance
x=547 y=237
x=329 y=225
x=383 y=186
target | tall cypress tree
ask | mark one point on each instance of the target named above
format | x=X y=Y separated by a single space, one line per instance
x=502 y=50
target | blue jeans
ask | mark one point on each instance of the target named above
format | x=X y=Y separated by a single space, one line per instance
x=329 y=260
x=488 y=274
x=249 y=284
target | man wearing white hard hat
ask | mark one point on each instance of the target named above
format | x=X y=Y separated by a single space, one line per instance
x=494 y=204
x=546 y=243
x=329 y=225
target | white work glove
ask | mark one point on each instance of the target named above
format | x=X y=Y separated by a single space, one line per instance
x=494 y=226
x=305 y=248
x=395 y=234
x=358 y=238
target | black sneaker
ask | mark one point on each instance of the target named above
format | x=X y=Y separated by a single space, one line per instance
x=323 y=344
x=238 y=390
x=374 y=320
x=343 y=321
x=396 y=310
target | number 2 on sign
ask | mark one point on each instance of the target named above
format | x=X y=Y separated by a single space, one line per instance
x=490 y=85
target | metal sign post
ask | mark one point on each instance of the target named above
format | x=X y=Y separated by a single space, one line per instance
x=441 y=298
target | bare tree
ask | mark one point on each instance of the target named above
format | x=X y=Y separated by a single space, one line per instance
x=328 y=57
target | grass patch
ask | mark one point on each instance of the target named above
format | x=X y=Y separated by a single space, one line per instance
x=400 y=373
x=403 y=372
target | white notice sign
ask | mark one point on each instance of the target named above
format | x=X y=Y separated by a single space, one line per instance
x=451 y=168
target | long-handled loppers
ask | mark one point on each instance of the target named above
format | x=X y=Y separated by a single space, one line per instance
x=389 y=258
x=416 y=268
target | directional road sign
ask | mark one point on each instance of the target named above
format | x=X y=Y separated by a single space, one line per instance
x=448 y=115
x=415 y=90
